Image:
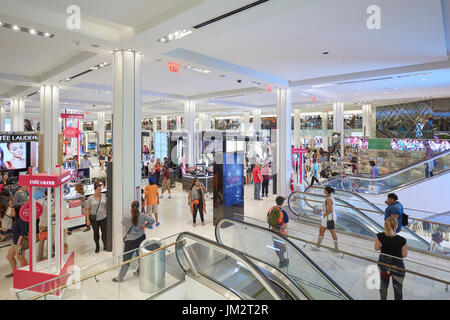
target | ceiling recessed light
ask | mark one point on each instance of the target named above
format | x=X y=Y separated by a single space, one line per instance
x=111 y=51
x=129 y=49
x=1 y=23
x=67 y=79
x=15 y=28
x=32 y=31
x=46 y=34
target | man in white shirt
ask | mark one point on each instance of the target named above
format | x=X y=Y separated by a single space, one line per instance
x=151 y=168
x=85 y=163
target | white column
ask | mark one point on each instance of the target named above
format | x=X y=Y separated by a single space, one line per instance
x=256 y=120
x=2 y=119
x=284 y=167
x=155 y=124
x=206 y=122
x=179 y=123
x=17 y=114
x=127 y=108
x=326 y=142
x=50 y=126
x=373 y=122
x=101 y=127
x=164 y=123
x=296 y=142
x=338 y=122
x=189 y=121
x=246 y=121
x=367 y=120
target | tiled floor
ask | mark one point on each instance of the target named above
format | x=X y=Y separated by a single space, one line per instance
x=175 y=217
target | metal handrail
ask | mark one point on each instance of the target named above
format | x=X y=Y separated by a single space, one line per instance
x=296 y=248
x=369 y=210
x=391 y=174
x=374 y=205
x=102 y=271
x=347 y=205
x=365 y=258
x=237 y=256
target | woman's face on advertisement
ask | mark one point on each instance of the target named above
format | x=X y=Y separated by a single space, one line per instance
x=16 y=149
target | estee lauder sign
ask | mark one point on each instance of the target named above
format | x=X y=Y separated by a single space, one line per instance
x=19 y=137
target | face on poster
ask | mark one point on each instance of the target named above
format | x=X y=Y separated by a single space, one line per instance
x=13 y=155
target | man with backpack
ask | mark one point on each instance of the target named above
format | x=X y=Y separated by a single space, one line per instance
x=278 y=220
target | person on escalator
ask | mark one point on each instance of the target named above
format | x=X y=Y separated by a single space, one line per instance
x=393 y=249
x=329 y=218
x=278 y=220
x=429 y=166
x=315 y=172
x=374 y=171
x=394 y=209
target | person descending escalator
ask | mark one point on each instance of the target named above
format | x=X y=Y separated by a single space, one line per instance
x=394 y=209
x=135 y=225
x=278 y=220
x=329 y=218
x=393 y=249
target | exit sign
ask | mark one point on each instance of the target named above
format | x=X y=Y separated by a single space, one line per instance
x=173 y=67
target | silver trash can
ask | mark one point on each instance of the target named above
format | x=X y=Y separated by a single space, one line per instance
x=152 y=270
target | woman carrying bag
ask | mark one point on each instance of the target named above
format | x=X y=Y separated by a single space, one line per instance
x=196 y=200
x=96 y=209
x=135 y=225
x=329 y=218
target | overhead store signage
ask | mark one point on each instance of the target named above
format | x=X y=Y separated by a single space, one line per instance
x=19 y=137
x=72 y=116
x=299 y=150
x=71 y=132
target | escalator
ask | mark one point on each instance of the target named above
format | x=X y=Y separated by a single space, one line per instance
x=306 y=205
x=266 y=249
x=374 y=212
x=392 y=181
x=238 y=276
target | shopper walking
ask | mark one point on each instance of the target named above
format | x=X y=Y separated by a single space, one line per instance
x=20 y=241
x=329 y=218
x=196 y=201
x=135 y=225
x=429 y=166
x=374 y=171
x=158 y=167
x=166 y=178
x=85 y=163
x=278 y=220
x=265 y=171
x=152 y=199
x=101 y=160
x=80 y=190
x=393 y=249
x=151 y=169
x=394 y=209
x=96 y=210
x=315 y=172
x=257 y=181
x=6 y=221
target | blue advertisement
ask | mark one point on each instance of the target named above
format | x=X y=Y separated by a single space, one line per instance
x=233 y=180
x=160 y=145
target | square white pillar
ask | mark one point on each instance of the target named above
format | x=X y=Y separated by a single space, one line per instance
x=50 y=125
x=127 y=109
x=284 y=130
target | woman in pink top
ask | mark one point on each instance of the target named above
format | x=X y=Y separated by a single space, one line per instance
x=265 y=171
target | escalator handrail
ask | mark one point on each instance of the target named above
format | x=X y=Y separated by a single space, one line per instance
x=273 y=291
x=397 y=172
x=342 y=201
x=380 y=212
x=292 y=244
x=420 y=239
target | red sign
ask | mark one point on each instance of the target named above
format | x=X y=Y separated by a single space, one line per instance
x=269 y=88
x=72 y=116
x=44 y=179
x=299 y=150
x=25 y=211
x=173 y=67
x=71 y=132
x=74 y=204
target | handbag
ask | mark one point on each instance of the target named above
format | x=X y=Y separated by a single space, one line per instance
x=127 y=233
x=330 y=223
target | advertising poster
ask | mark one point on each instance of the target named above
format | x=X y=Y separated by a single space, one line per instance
x=233 y=172
x=13 y=155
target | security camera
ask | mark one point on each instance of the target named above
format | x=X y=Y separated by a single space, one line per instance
x=239 y=81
